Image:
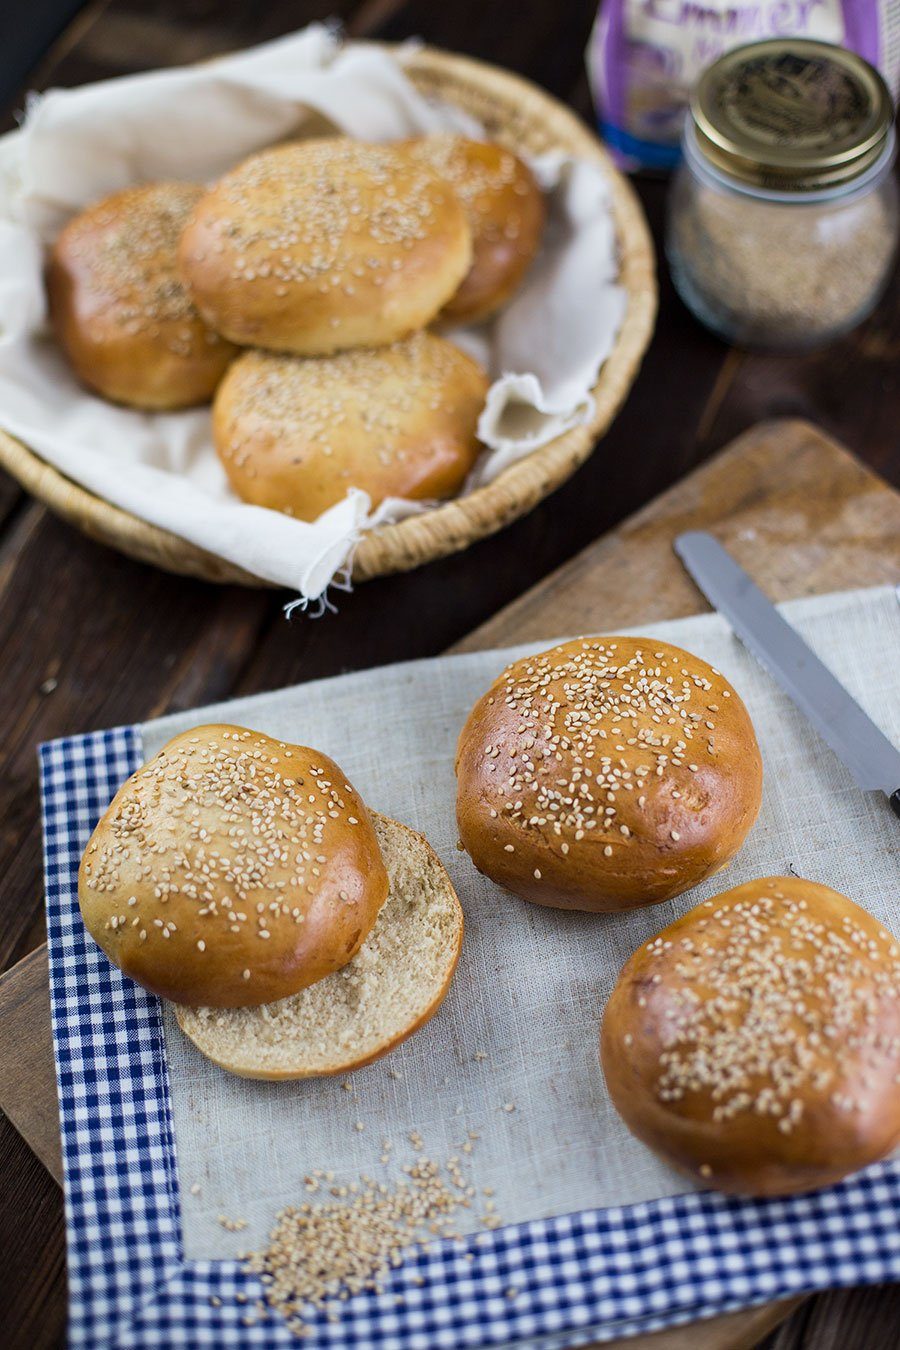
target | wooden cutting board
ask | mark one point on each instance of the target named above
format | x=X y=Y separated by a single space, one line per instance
x=793 y=507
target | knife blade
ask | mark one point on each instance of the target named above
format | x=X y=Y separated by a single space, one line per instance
x=871 y=758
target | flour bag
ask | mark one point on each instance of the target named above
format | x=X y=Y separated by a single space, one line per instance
x=644 y=57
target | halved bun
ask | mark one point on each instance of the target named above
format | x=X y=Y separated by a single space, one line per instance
x=393 y=985
x=232 y=870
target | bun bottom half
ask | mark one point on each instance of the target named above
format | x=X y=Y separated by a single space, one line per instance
x=394 y=984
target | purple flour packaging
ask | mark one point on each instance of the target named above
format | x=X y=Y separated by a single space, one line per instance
x=644 y=57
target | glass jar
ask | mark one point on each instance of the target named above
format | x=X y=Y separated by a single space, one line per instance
x=783 y=217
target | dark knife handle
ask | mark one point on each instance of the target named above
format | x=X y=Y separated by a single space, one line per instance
x=895 y=801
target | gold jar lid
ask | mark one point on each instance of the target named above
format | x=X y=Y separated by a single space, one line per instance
x=792 y=114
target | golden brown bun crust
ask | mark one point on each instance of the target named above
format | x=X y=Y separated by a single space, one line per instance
x=295 y=433
x=606 y=773
x=322 y=245
x=755 y=1043
x=505 y=210
x=118 y=306
x=231 y=870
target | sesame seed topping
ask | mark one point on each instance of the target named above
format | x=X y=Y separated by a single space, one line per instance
x=221 y=831
x=126 y=247
x=795 y=1006
x=588 y=747
x=335 y=406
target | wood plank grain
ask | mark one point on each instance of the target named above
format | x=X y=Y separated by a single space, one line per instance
x=850 y=388
x=866 y=1318
x=33 y=1243
x=77 y=663
x=27 y=1076
x=796 y=510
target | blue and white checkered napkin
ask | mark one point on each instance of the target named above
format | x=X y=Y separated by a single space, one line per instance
x=582 y=1277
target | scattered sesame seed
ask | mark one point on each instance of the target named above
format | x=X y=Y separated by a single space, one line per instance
x=322 y=1253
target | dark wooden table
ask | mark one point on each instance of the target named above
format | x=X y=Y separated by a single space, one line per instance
x=89 y=639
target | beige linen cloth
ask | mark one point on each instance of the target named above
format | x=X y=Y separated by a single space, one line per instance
x=543 y=352
x=532 y=982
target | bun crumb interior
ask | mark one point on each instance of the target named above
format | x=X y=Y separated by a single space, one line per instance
x=395 y=982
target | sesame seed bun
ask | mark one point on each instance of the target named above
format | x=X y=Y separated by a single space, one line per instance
x=118 y=306
x=295 y=433
x=321 y=245
x=232 y=869
x=755 y=1043
x=606 y=773
x=393 y=985
x=505 y=210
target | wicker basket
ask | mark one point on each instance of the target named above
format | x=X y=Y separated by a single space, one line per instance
x=525 y=118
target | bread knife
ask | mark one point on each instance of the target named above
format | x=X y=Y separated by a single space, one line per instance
x=871 y=758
